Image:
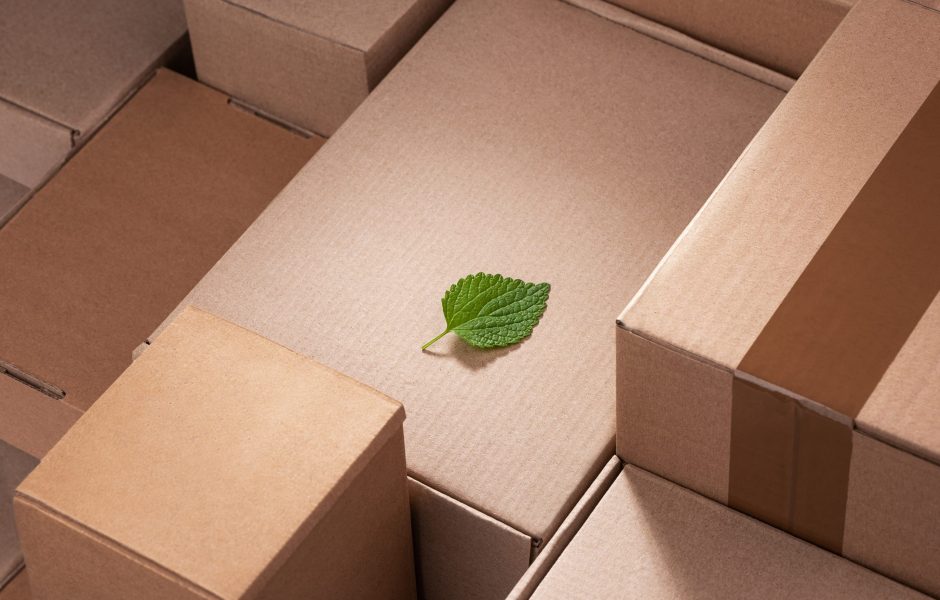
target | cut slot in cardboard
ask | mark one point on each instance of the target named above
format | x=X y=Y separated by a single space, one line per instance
x=534 y=139
x=67 y=66
x=649 y=538
x=221 y=465
x=787 y=346
x=110 y=246
x=310 y=64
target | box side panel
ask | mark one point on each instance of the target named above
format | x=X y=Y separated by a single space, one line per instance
x=15 y=465
x=461 y=553
x=784 y=35
x=30 y=420
x=892 y=516
x=569 y=528
x=12 y=196
x=312 y=82
x=398 y=39
x=362 y=548
x=66 y=563
x=31 y=146
x=673 y=414
x=17 y=588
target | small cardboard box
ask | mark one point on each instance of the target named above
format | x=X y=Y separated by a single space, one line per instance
x=308 y=63
x=649 y=538
x=106 y=250
x=783 y=35
x=783 y=359
x=15 y=465
x=221 y=465
x=67 y=66
x=531 y=138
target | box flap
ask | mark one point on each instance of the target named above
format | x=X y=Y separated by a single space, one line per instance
x=358 y=25
x=653 y=539
x=236 y=443
x=71 y=62
x=104 y=251
x=481 y=130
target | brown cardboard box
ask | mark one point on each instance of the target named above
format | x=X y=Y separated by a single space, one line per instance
x=310 y=64
x=68 y=65
x=783 y=357
x=100 y=256
x=14 y=466
x=651 y=539
x=530 y=138
x=783 y=35
x=221 y=465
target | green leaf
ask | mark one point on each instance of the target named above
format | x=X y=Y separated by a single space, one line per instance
x=492 y=311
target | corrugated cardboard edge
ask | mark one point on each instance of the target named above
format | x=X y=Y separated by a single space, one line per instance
x=398 y=39
x=685 y=43
x=470 y=554
x=525 y=587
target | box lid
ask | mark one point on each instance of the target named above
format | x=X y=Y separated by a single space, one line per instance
x=214 y=454
x=813 y=268
x=461 y=161
x=649 y=538
x=104 y=251
x=72 y=62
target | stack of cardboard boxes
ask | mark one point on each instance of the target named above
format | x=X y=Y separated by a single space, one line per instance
x=778 y=363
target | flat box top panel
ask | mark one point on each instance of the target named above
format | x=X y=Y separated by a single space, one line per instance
x=71 y=61
x=649 y=538
x=356 y=24
x=98 y=257
x=530 y=138
x=212 y=451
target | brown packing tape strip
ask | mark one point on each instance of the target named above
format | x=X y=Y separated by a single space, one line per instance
x=834 y=336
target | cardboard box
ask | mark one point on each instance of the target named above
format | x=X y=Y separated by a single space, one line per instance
x=783 y=357
x=534 y=139
x=783 y=35
x=310 y=64
x=14 y=466
x=106 y=250
x=67 y=66
x=649 y=538
x=221 y=465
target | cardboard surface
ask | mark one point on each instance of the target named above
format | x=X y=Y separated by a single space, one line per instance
x=310 y=64
x=12 y=195
x=651 y=539
x=66 y=66
x=17 y=588
x=783 y=35
x=106 y=249
x=281 y=478
x=15 y=465
x=790 y=301
x=480 y=121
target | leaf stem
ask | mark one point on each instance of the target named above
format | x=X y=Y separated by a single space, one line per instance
x=442 y=334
